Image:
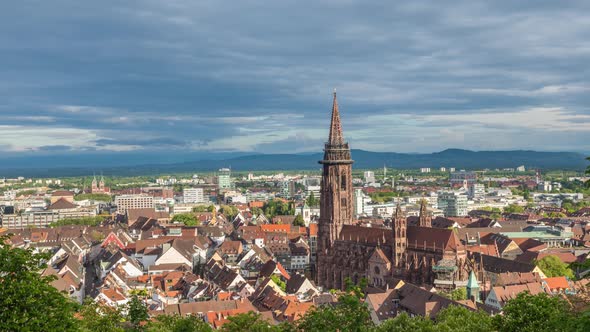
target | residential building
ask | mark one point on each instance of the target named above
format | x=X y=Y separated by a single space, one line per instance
x=224 y=179
x=462 y=178
x=193 y=195
x=452 y=204
x=125 y=202
x=369 y=176
x=476 y=191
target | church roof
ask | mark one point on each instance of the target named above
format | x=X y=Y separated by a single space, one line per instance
x=434 y=238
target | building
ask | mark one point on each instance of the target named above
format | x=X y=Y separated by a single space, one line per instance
x=443 y=169
x=521 y=168
x=98 y=187
x=425 y=170
x=421 y=254
x=462 y=178
x=125 y=202
x=224 y=179
x=287 y=189
x=369 y=176
x=193 y=195
x=476 y=191
x=452 y=204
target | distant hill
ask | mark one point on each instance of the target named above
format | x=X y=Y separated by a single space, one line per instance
x=460 y=159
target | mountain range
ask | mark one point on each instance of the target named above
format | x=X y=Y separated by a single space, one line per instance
x=121 y=165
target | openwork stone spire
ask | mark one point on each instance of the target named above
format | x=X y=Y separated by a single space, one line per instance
x=336 y=137
x=336 y=150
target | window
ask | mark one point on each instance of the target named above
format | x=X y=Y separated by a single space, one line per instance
x=377 y=271
x=343 y=182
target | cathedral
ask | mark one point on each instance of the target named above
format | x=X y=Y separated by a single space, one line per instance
x=419 y=254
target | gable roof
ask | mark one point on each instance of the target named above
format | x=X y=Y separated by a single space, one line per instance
x=62 y=204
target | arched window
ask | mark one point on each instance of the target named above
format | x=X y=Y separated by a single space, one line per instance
x=343 y=182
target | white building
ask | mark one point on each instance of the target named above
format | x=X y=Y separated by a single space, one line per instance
x=193 y=195
x=452 y=204
x=443 y=169
x=224 y=179
x=425 y=170
x=125 y=202
x=476 y=191
x=369 y=176
x=520 y=168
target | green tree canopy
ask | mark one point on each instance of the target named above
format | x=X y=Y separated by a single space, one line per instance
x=461 y=319
x=552 y=266
x=534 y=313
x=176 y=323
x=204 y=208
x=188 y=219
x=248 y=322
x=298 y=221
x=229 y=211
x=137 y=312
x=350 y=314
x=94 y=197
x=311 y=201
x=98 y=317
x=28 y=302
x=514 y=208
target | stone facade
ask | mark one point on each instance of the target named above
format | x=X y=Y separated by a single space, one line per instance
x=419 y=254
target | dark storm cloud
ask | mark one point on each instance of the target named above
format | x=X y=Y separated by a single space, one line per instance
x=257 y=75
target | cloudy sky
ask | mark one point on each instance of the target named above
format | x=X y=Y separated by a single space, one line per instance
x=257 y=76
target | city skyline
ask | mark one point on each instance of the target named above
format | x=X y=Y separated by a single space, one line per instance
x=183 y=77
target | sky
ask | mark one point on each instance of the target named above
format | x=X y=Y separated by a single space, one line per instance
x=83 y=77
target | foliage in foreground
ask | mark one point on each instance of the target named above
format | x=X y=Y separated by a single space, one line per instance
x=29 y=303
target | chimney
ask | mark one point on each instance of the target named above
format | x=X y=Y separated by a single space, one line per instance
x=165 y=247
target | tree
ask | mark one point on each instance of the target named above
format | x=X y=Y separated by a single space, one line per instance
x=136 y=311
x=177 y=323
x=456 y=318
x=298 y=221
x=311 y=201
x=514 y=208
x=98 y=317
x=229 y=211
x=350 y=314
x=552 y=266
x=256 y=211
x=456 y=294
x=533 y=313
x=188 y=219
x=403 y=322
x=250 y=321
x=28 y=301
x=204 y=208
x=277 y=280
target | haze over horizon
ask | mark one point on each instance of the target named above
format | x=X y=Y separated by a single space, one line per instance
x=177 y=76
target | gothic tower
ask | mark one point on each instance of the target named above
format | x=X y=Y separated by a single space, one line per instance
x=336 y=195
x=101 y=183
x=425 y=218
x=94 y=186
x=399 y=225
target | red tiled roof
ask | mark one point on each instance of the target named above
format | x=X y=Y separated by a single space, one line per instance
x=557 y=283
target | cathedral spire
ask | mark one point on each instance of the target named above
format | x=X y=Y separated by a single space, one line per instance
x=336 y=137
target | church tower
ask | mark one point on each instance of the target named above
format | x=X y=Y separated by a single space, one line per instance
x=400 y=241
x=101 y=183
x=425 y=218
x=336 y=199
x=94 y=186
